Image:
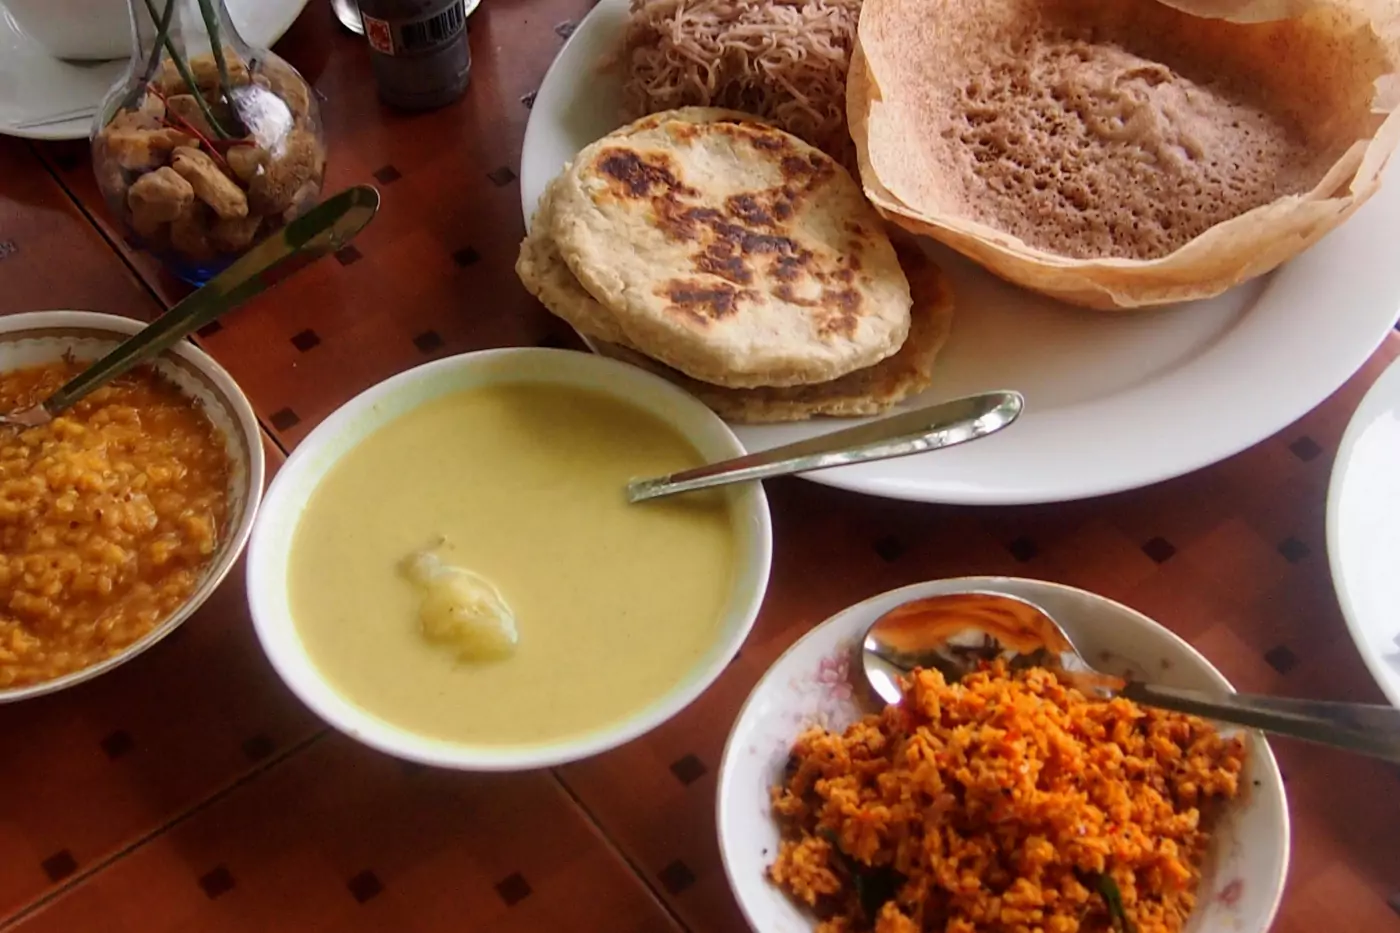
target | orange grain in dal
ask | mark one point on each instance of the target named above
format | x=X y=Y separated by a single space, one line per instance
x=995 y=804
x=108 y=516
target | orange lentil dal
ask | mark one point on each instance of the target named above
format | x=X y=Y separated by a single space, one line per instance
x=108 y=516
x=997 y=805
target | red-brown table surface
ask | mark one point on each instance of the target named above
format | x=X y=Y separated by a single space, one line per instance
x=189 y=791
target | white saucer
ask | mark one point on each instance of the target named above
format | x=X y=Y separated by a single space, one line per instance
x=35 y=86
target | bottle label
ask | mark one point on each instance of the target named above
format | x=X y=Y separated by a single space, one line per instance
x=410 y=36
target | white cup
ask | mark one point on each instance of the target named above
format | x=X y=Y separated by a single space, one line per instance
x=83 y=30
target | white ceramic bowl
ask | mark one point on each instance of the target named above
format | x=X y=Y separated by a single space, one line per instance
x=272 y=540
x=817 y=682
x=1363 y=529
x=46 y=336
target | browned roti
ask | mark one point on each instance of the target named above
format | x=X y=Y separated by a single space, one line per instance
x=1049 y=139
x=734 y=253
x=869 y=391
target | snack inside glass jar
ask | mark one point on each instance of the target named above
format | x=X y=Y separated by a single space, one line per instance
x=207 y=144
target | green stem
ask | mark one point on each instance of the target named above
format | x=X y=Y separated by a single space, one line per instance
x=185 y=74
x=216 y=45
x=162 y=31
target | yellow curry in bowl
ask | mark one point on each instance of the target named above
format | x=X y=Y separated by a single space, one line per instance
x=471 y=572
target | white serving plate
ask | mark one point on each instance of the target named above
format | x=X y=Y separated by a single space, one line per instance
x=34 y=85
x=1113 y=401
x=816 y=683
x=1363 y=529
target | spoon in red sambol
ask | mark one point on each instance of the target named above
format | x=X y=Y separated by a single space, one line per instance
x=956 y=633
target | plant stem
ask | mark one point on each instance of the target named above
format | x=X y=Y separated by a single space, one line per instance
x=185 y=74
x=162 y=31
x=216 y=45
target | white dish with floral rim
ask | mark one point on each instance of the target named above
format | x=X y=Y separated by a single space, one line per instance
x=818 y=681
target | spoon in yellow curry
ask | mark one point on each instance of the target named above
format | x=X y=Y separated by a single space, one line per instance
x=912 y=432
x=957 y=632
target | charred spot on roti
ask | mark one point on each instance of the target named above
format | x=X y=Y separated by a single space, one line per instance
x=749 y=209
x=639 y=176
x=679 y=222
x=841 y=315
x=787 y=269
x=720 y=258
x=703 y=302
x=836 y=311
x=810 y=171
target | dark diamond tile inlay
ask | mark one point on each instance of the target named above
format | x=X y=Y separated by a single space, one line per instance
x=259 y=747
x=890 y=548
x=215 y=882
x=528 y=99
x=502 y=176
x=285 y=420
x=676 y=877
x=306 y=340
x=347 y=255
x=428 y=341
x=688 y=770
x=1159 y=549
x=1293 y=550
x=466 y=256
x=1023 y=549
x=117 y=744
x=210 y=329
x=1305 y=448
x=1281 y=659
x=59 y=865
x=387 y=175
x=514 y=889
x=365 y=886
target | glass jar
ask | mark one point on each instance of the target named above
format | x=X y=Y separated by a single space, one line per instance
x=207 y=144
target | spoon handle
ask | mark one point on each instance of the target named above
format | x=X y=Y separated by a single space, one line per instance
x=913 y=432
x=323 y=229
x=1355 y=727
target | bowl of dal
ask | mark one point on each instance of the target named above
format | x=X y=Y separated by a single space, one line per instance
x=447 y=568
x=122 y=515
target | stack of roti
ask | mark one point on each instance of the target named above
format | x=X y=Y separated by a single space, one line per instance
x=1125 y=153
x=739 y=262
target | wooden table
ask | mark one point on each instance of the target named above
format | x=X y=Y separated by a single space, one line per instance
x=189 y=791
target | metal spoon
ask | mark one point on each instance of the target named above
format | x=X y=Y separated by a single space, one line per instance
x=913 y=432
x=955 y=632
x=323 y=229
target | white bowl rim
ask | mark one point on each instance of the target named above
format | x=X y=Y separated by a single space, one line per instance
x=991 y=583
x=114 y=325
x=368 y=729
x=1372 y=406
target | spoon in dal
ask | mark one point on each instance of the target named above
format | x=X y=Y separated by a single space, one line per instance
x=324 y=229
x=956 y=632
x=932 y=428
